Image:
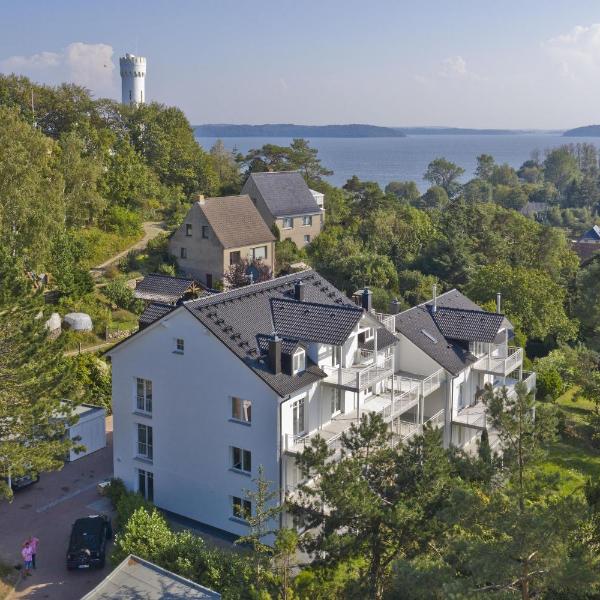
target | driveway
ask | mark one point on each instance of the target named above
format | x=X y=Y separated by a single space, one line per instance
x=47 y=510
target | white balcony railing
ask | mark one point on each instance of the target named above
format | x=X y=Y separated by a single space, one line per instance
x=498 y=364
x=388 y=321
x=360 y=376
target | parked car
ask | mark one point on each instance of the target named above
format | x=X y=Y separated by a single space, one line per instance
x=18 y=483
x=87 y=546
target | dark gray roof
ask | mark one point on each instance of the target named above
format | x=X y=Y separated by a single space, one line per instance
x=287 y=346
x=138 y=579
x=314 y=322
x=285 y=193
x=419 y=326
x=385 y=339
x=153 y=312
x=241 y=317
x=163 y=288
x=592 y=235
x=467 y=325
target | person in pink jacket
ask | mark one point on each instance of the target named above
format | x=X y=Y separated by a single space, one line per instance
x=33 y=542
x=27 y=553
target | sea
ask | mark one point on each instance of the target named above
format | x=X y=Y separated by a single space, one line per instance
x=406 y=159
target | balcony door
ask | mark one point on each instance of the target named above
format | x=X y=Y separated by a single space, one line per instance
x=298 y=420
x=336 y=356
x=336 y=402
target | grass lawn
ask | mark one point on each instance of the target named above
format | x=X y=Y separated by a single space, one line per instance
x=572 y=455
x=8 y=579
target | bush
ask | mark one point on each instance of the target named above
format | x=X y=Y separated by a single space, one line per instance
x=167 y=269
x=127 y=504
x=115 y=491
x=122 y=221
x=549 y=384
x=121 y=295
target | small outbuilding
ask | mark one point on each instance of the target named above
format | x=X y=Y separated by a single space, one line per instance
x=90 y=429
x=137 y=579
x=78 y=321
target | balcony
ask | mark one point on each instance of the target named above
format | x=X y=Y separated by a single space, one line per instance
x=476 y=415
x=404 y=400
x=498 y=363
x=366 y=371
x=388 y=321
x=428 y=383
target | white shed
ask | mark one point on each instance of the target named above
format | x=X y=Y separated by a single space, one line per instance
x=90 y=428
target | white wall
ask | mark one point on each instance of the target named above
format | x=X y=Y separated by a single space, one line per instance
x=412 y=359
x=191 y=427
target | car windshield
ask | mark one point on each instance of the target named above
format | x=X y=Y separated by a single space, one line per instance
x=83 y=539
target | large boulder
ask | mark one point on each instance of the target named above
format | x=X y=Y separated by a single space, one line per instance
x=78 y=321
x=53 y=324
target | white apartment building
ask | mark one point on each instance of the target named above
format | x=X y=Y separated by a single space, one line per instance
x=207 y=392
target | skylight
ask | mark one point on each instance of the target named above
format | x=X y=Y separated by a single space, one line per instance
x=429 y=336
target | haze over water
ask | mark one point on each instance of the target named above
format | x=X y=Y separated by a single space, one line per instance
x=387 y=159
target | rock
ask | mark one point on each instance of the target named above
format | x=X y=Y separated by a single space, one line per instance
x=78 y=321
x=53 y=323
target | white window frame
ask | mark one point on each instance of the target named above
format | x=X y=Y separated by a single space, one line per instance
x=307 y=221
x=369 y=334
x=307 y=239
x=288 y=222
x=188 y=230
x=241 y=460
x=336 y=401
x=143 y=395
x=299 y=361
x=147 y=477
x=145 y=442
x=299 y=408
x=243 y=408
x=179 y=346
x=241 y=506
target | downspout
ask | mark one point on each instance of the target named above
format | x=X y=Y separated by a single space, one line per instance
x=281 y=452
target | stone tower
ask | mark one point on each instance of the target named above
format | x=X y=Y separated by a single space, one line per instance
x=133 y=78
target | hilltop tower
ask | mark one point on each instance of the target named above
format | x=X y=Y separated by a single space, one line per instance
x=133 y=79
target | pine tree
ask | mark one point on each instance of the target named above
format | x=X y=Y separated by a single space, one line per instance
x=34 y=380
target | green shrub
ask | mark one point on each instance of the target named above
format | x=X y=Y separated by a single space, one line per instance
x=549 y=384
x=115 y=491
x=121 y=221
x=121 y=295
x=127 y=504
x=167 y=269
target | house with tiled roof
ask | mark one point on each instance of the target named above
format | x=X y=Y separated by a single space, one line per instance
x=209 y=390
x=588 y=245
x=156 y=287
x=217 y=233
x=284 y=199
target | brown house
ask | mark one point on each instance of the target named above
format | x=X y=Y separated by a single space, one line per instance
x=219 y=232
x=283 y=198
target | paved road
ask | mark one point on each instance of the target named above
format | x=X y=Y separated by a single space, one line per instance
x=151 y=230
x=47 y=510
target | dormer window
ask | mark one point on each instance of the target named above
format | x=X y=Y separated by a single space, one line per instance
x=369 y=334
x=299 y=361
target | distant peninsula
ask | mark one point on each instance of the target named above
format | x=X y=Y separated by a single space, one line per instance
x=462 y=131
x=289 y=130
x=586 y=131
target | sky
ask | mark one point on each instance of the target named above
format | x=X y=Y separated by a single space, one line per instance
x=464 y=63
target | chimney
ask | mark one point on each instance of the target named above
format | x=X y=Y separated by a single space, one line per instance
x=394 y=307
x=299 y=288
x=275 y=353
x=498 y=302
x=367 y=299
x=198 y=198
x=434 y=307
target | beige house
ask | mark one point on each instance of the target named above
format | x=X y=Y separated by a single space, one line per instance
x=219 y=232
x=283 y=198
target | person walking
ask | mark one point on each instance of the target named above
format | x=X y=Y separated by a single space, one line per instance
x=34 y=543
x=26 y=553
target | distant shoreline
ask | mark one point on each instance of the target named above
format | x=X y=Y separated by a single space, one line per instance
x=289 y=130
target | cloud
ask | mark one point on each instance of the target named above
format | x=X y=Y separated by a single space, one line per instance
x=90 y=65
x=454 y=67
x=577 y=52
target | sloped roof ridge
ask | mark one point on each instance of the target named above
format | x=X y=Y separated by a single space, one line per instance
x=470 y=310
x=318 y=304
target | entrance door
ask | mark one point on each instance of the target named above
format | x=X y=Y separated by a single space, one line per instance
x=146 y=484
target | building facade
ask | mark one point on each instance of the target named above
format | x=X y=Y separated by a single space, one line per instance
x=208 y=392
x=217 y=233
x=283 y=199
x=133 y=79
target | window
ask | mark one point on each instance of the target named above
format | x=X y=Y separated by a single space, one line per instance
x=241 y=509
x=183 y=253
x=288 y=222
x=179 y=346
x=241 y=410
x=234 y=257
x=145 y=441
x=307 y=239
x=188 y=230
x=146 y=484
x=144 y=395
x=205 y=231
x=336 y=401
x=336 y=356
x=369 y=333
x=299 y=361
x=241 y=460
x=259 y=253
x=298 y=417
x=209 y=281
x=307 y=220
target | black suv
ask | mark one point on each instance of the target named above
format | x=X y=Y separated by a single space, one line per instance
x=87 y=546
